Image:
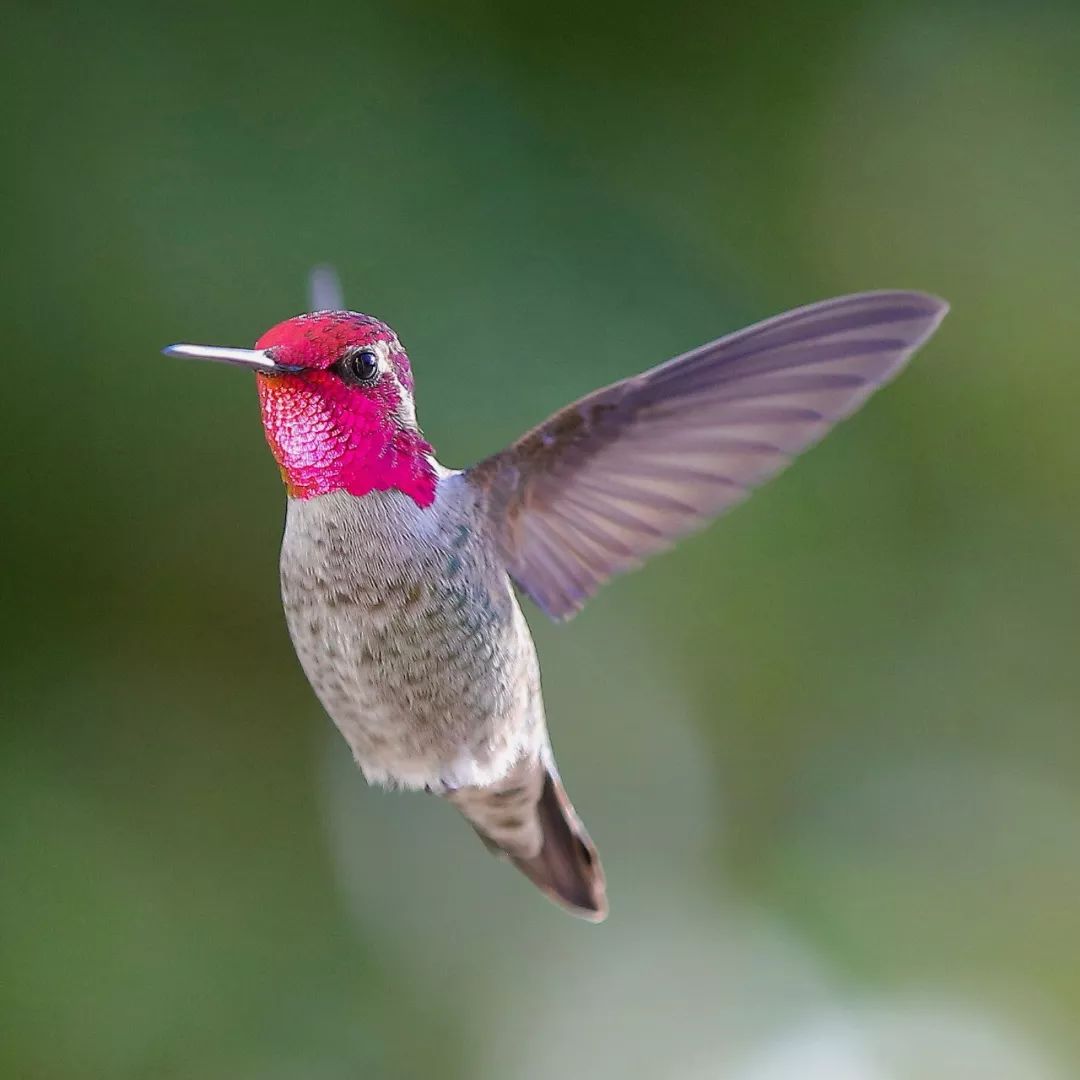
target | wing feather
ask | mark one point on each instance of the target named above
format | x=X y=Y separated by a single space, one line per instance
x=625 y=471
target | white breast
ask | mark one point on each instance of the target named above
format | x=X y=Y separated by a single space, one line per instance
x=406 y=625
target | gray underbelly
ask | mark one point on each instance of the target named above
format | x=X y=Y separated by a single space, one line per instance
x=431 y=682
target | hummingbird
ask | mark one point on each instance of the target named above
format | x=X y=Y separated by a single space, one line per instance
x=400 y=577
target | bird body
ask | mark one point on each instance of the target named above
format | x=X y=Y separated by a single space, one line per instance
x=398 y=575
x=407 y=627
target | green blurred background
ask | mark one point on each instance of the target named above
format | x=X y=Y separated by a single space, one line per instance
x=829 y=748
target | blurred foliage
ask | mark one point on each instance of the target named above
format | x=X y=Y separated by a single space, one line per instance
x=829 y=748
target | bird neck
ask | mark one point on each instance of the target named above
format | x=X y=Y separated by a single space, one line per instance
x=326 y=441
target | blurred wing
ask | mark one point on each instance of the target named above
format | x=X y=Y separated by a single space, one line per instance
x=624 y=472
x=324 y=290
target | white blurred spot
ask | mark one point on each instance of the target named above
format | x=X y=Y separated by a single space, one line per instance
x=662 y=990
x=909 y=1040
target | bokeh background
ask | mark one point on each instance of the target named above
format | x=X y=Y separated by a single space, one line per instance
x=829 y=749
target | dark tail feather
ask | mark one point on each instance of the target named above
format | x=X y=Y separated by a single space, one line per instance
x=568 y=868
x=529 y=819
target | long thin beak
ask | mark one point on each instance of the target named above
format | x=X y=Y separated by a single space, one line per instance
x=256 y=359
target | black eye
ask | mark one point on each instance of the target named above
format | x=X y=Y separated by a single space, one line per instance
x=361 y=366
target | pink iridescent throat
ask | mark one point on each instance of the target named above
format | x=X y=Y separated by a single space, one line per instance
x=329 y=435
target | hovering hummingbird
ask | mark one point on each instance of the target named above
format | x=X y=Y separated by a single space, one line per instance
x=398 y=574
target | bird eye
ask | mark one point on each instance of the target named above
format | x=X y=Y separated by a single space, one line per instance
x=361 y=366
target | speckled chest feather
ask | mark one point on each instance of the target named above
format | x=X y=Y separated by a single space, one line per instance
x=407 y=626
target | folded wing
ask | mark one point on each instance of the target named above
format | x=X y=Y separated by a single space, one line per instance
x=622 y=473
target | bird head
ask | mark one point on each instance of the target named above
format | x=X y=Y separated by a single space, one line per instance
x=336 y=394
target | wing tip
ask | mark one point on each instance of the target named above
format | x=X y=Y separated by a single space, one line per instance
x=929 y=309
x=934 y=307
x=936 y=310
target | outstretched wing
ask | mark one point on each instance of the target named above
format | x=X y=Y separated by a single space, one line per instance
x=625 y=471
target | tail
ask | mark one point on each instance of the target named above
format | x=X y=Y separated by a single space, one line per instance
x=527 y=817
